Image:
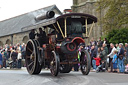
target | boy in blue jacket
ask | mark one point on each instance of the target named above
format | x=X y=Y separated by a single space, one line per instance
x=114 y=61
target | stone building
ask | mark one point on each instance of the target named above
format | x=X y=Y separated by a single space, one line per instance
x=11 y=29
x=89 y=7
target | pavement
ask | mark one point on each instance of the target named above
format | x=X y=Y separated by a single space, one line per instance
x=21 y=77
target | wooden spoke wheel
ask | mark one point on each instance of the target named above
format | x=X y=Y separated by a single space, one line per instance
x=32 y=64
x=85 y=62
x=54 y=64
x=64 y=68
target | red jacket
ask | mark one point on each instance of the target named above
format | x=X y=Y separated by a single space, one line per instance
x=97 y=61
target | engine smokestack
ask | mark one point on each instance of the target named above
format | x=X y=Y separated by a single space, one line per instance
x=46 y=15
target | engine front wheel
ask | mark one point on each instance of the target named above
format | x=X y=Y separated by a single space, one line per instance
x=85 y=62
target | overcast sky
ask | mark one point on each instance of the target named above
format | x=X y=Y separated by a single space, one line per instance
x=11 y=8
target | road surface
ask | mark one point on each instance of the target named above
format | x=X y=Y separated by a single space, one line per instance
x=21 y=77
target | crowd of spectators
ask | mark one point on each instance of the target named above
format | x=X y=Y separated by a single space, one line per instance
x=12 y=55
x=107 y=55
x=102 y=53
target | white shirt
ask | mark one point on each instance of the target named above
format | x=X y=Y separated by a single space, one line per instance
x=19 y=56
x=112 y=52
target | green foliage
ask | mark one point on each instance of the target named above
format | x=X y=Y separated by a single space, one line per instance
x=116 y=14
x=118 y=36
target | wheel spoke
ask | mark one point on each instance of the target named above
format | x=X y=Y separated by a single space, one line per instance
x=30 y=63
x=29 y=49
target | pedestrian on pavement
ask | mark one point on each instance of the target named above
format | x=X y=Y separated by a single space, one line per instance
x=121 y=58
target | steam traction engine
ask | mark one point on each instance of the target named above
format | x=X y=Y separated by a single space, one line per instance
x=60 y=52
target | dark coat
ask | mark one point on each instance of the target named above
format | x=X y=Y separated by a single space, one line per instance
x=103 y=55
x=32 y=35
x=93 y=53
x=14 y=56
x=1 y=57
x=121 y=52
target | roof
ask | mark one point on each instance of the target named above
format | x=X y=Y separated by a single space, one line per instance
x=15 y=24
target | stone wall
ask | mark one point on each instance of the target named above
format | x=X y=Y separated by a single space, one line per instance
x=14 y=39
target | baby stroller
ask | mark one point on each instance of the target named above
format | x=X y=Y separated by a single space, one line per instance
x=102 y=67
x=10 y=64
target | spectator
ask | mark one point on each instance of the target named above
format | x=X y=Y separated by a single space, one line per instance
x=1 y=61
x=92 y=42
x=106 y=42
x=19 y=58
x=97 y=60
x=105 y=48
x=100 y=42
x=126 y=52
x=4 y=58
x=114 y=61
x=103 y=57
x=117 y=47
x=103 y=54
x=111 y=56
x=121 y=58
x=99 y=51
x=93 y=55
x=14 y=58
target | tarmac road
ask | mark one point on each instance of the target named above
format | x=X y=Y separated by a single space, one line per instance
x=21 y=77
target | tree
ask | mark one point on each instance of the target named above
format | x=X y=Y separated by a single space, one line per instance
x=116 y=15
x=118 y=35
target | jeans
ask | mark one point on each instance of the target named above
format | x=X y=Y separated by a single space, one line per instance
x=94 y=64
x=19 y=63
x=121 y=65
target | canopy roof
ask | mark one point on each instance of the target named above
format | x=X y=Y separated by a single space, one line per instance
x=80 y=16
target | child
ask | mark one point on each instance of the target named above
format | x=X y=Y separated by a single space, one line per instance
x=97 y=60
x=114 y=61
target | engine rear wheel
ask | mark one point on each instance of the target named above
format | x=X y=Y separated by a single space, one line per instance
x=32 y=64
x=85 y=62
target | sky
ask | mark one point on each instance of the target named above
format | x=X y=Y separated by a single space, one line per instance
x=12 y=8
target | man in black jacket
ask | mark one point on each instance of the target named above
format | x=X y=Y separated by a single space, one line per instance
x=32 y=34
x=121 y=58
x=42 y=37
x=14 y=55
x=93 y=55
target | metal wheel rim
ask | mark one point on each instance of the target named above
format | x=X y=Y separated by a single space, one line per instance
x=30 y=57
